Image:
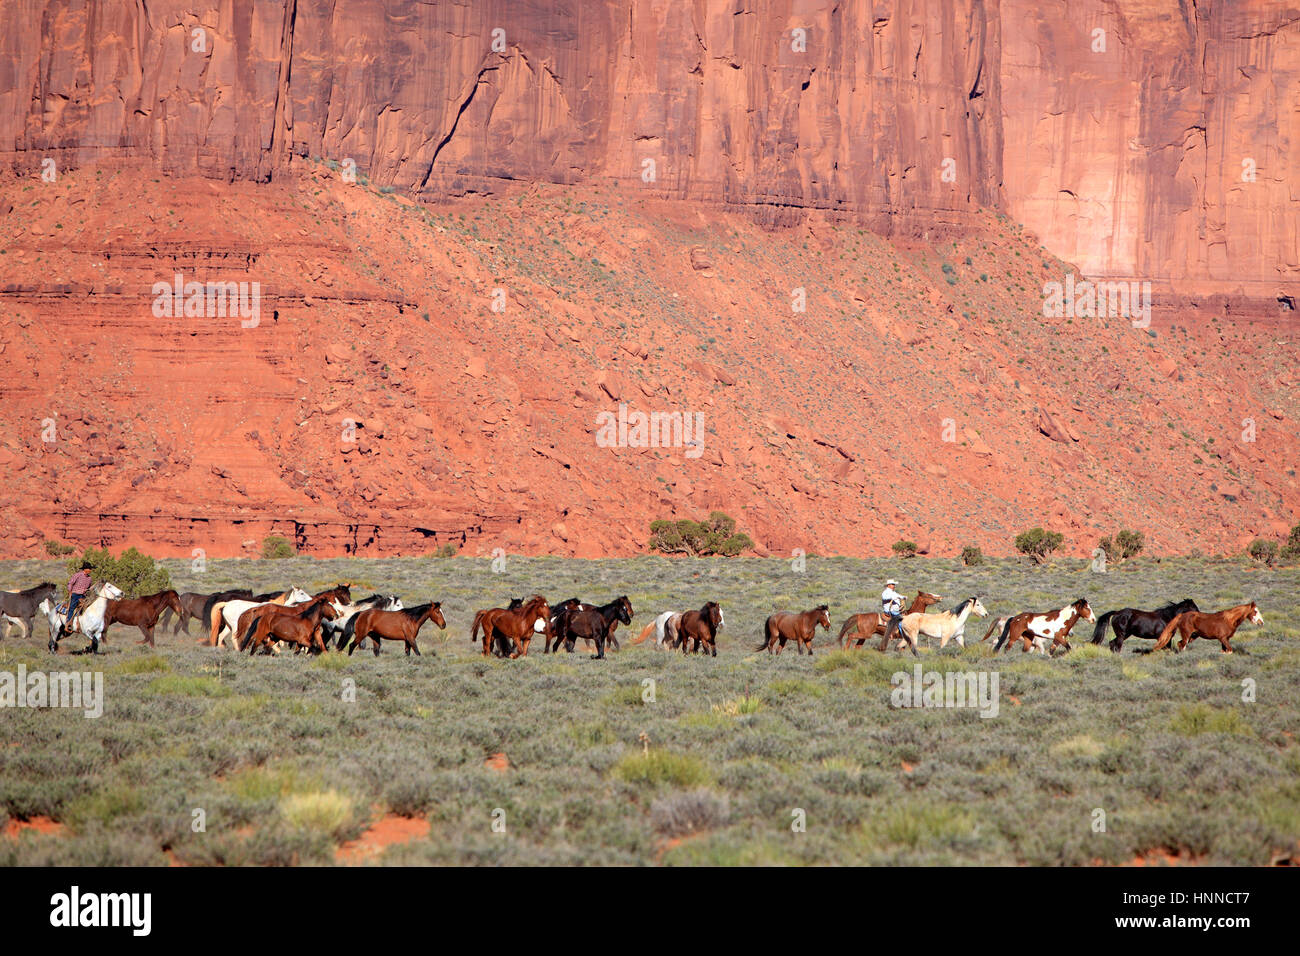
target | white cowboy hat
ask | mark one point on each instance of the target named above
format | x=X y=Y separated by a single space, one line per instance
x=891 y=583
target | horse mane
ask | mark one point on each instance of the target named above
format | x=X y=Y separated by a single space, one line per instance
x=962 y=606
x=418 y=611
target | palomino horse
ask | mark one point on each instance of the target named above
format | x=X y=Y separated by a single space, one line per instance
x=1054 y=626
x=226 y=614
x=946 y=625
x=701 y=627
x=89 y=620
x=141 y=612
x=664 y=628
x=248 y=619
x=20 y=607
x=293 y=625
x=868 y=625
x=786 y=625
x=560 y=623
x=403 y=625
x=192 y=608
x=1219 y=626
x=517 y=625
x=595 y=624
x=1130 y=622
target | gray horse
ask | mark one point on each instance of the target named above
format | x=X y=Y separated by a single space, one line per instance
x=20 y=606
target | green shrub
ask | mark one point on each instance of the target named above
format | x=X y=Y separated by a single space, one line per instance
x=1263 y=551
x=1038 y=544
x=972 y=556
x=135 y=573
x=448 y=550
x=717 y=535
x=1124 y=545
x=904 y=548
x=57 y=549
x=661 y=767
x=274 y=548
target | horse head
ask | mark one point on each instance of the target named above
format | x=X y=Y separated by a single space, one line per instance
x=110 y=590
x=393 y=603
x=1085 y=610
x=435 y=615
x=714 y=613
x=823 y=616
x=625 y=610
x=927 y=599
x=1254 y=616
x=297 y=596
x=977 y=607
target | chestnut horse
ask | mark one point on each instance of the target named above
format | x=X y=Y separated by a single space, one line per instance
x=786 y=625
x=517 y=625
x=294 y=625
x=403 y=625
x=1219 y=626
x=141 y=612
x=868 y=625
x=701 y=627
x=1054 y=626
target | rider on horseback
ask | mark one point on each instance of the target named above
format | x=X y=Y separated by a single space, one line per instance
x=891 y=606
x=78 y=586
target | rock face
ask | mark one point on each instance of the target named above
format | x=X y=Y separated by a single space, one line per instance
x=1158 y=149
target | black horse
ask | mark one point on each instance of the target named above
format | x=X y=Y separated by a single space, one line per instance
x=1130 y=622
x=594 y=624
x=20 y=606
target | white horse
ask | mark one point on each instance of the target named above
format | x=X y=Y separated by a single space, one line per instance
x=225 y=617
x=664 y=628
x=945 y=625
x=338 y=630
x=89 y=620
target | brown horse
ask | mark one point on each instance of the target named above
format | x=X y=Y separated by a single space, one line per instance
x=141 y=612
x=701 y=627
x=1219 y=626
x=872 y=623
x=786 y=625
x=615 y=612
x=517 y=625
x=298 y=625
x=403 y=625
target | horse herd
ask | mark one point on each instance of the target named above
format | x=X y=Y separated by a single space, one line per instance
x=330 y=619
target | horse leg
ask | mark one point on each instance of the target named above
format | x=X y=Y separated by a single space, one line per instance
x=147 y=631
x=411 y=645
x=1227 y=648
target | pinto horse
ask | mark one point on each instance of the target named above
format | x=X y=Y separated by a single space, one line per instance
x=226 y=614
x=141 y=612
x=1219 y=626
x=701 y=627
x=1130 y=622
x=946 y=625
x=664 y=628
x=561 y=624
x=403 y=625
x=786 y=625
x=596 y=624
x=293 y=625
x=868 y=625
x=1031 y=628
x=20 y=607
x=516 y=625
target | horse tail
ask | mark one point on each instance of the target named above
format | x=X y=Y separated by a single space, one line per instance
x=1168 y=632
x=248 y=634
x=852 y=622
x=217 y=614
x=645 y=633
x=1002 y=638
x=989 y=633
x=473 y=630
x=347 y=631
x=766 y=640
x=1103 y=622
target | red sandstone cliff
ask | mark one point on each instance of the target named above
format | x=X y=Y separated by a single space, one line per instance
x=909 y=400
